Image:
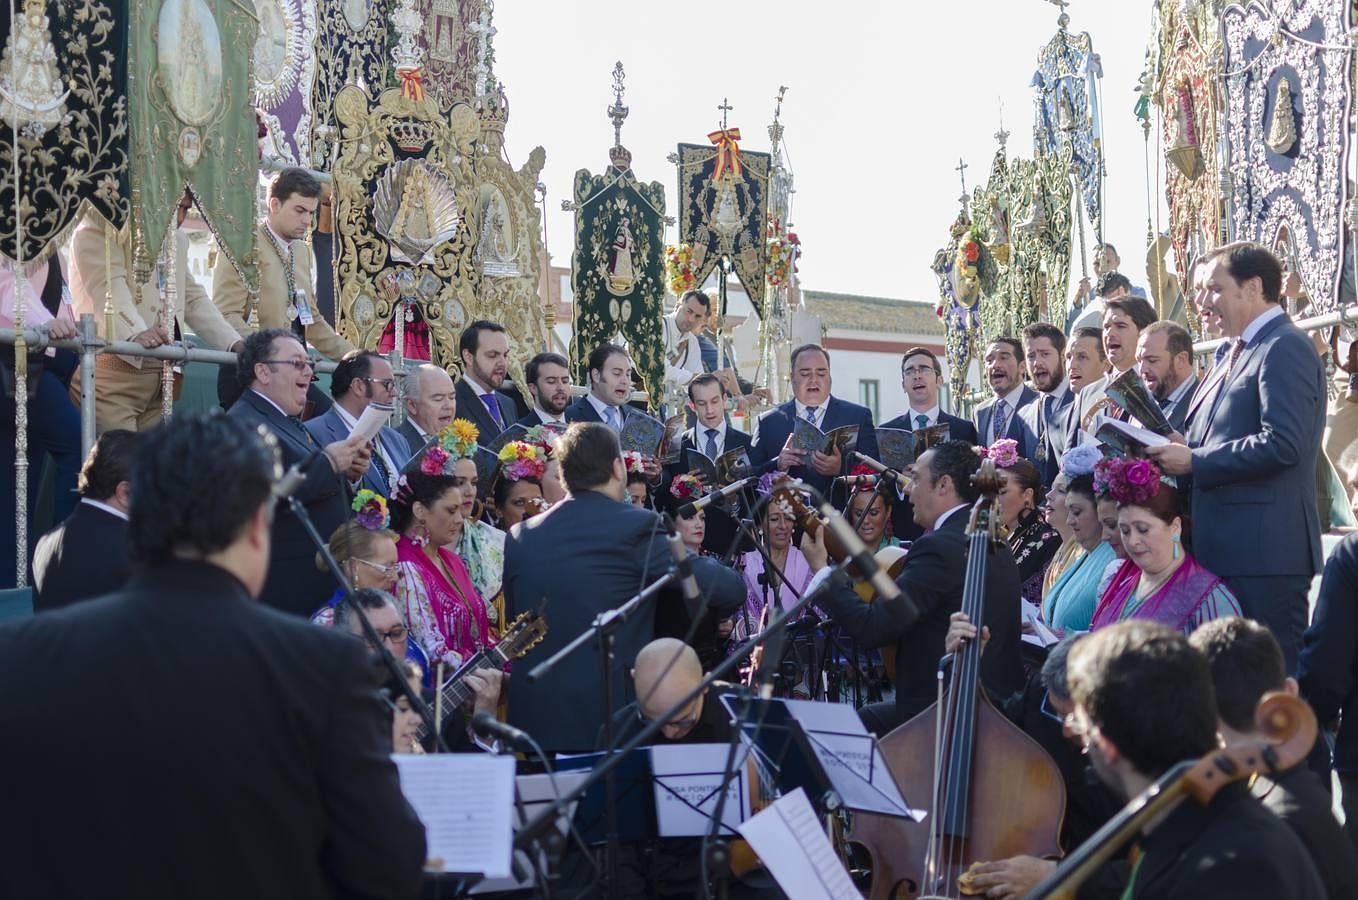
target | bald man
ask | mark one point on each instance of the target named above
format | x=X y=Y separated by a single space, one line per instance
x=666 y=670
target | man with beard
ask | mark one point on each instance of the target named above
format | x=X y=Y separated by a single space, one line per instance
x=431 y=405
x=484 y=348
x=1144 y=703
x=1000 y=417
x=921 y=377
x=1043 y=346
x=1164 y=356
x=549 y=385
x=1124 y=318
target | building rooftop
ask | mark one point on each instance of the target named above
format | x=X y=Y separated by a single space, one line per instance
x=885 y=314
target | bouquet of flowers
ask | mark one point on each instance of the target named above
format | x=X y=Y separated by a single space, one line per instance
x=520 y=459
x=686 y=487
x=370 y=510
x=679 y=269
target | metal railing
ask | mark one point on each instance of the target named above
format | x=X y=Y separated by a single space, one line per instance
x=1346 y=316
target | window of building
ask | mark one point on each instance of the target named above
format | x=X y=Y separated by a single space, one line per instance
x=868 y=393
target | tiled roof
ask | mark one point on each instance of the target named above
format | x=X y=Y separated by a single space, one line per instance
x=886 y=314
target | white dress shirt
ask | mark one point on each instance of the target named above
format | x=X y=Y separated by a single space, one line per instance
x=1011 y=401
x=932 y=413
x=393 y=469
x=600 y=406
x=819 y=411
x=700 y=437
x=1253 y=329
x=546 y=417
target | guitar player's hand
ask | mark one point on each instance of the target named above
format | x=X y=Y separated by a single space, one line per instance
x=813 y=548
x=485 y=685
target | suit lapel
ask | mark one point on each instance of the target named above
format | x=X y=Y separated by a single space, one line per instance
x=286 y=428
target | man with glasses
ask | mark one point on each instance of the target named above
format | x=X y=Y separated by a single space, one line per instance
x=361 y=378
x=275 y=373
x=385 y=619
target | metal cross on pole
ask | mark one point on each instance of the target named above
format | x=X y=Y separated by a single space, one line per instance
x=724 y=108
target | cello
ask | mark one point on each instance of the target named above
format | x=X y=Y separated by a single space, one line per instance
x=995 y=792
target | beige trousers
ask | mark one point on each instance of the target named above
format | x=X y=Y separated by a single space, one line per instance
x=124 y=396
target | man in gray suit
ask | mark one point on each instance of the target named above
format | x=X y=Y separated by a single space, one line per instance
x=584 y=556
x=361 y=378
x=431 y=404
x=1254 y=430
x=1164 y=357
x=1043 y=349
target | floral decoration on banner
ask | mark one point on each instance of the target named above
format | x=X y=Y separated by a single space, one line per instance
x=635 y=462
x=686 y=487
x=969 y=255
x=1130 y=482
x=370 y=510
x=1079 y=461
x=784 y=249
x=521 y=459
x=680 y=273
x=1004 y=452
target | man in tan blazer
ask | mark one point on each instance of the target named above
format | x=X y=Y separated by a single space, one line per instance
x=285 y=267
x=127 y=388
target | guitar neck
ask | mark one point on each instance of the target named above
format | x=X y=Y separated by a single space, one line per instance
x=455 y=691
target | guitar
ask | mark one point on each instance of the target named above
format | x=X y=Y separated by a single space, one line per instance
x=520 y=636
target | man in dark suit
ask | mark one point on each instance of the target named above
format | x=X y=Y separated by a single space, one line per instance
x=772 y=446
x=1164 y=357
x=275 y=372
x=1254 y=434
x=584 y=556
x=431 y=405
x=1124 y=318
x=610 y=384
x=1246 y=664
x=86 y=555
x=931 y=584
x=711 y=436
x=1123 y=678
x=361 y=378
x=921 y=377
x=252 y=753
x=1085 y=364
x=1000 y=417
x=484 y=348
x=549 y=385
x=1044 y=348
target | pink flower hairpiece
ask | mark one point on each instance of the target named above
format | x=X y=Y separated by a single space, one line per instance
x=686 y=487
x=635 y=462
x=521 y=459
x=1004 y=452
x=1129 y=482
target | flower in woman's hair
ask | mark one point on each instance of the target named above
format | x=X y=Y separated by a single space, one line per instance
x=686 y=487
x=435 y=458
x=1080 y=460
x=370 y=510
x=1141 y=472
x=1132 y=482
x=1004 y=452
x=458 y=439
x=402 y=492
x=768 y=481
x=1102 y=476
x=520 y=459
x=635 y=462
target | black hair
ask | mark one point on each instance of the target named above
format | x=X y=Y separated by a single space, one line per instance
x=501 y=486
x=804 y=348
x=1148 y=691
x=599 y=356
x=642 y=479
x=703 y=300
x=353 y=366
x=1246 y=663
x=1112 y=281
x=197 y=481
x=294 y=181
x=1082 y=485
x=922 y=351
x=108 y=465
x=1055 y=671
x=1245 y=260
x=1046 y=330
x=419 y=488
x=705 y=379
x=255 y=349
x=367 y=599
x=1138 y=309
x=1088 y=331
x=1011 y=342
x=1028 y=478
x=587 y=452
x=470 y=341
x=959 y=461
x=530 y=371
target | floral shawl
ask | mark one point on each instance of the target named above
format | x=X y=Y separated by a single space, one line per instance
x=449 y=621
x=482 y=548
x=1191 y=596
x=1033 y=543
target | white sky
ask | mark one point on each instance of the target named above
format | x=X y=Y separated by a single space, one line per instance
x=883 y=97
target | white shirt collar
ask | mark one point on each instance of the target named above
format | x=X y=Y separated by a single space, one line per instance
x=475 y=385
x=820 y=410
x=600 y=405
x=545 y=416
x=1184 y=387
x=1268 y=315
x=271 y=403
x=938 y=523
x=345 y=417
x=416 y=425
x=1012 y=398
x=1061 y=388
x=932 y=412
x=700 y=433
x=111 y=510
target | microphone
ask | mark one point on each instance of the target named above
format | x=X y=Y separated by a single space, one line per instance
x=294 y=477
x=689 y=509
x=883 y=470
x=856 y=480
x=849 y=540
x=490 y=728
x=683 y=564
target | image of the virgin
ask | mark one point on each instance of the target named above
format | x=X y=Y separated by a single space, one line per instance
x=620 y=273
x=272 y=43
x=189 y=59
x=355 y=13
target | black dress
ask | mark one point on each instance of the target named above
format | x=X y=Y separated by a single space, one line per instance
x=1034 y=544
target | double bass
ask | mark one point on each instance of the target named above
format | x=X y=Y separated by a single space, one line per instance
x=993 y=791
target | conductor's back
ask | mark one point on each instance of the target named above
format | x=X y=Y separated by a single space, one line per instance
x=177 y=739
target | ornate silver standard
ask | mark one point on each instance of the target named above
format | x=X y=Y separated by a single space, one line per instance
x=169 y=269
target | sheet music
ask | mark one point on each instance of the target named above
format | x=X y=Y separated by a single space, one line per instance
x=687 y=784
x=789 y=841
x=375 y=416
x=535 y=793
x=1039 y=635
x=465 y=801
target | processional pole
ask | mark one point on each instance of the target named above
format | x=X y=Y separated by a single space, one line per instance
x=20 y=347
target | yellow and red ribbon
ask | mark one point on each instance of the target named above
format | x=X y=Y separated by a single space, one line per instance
x=412 y=86
x=728 y=151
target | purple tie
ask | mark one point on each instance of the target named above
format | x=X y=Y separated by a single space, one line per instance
x=494 y=407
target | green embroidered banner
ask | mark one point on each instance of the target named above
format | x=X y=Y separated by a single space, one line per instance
x=192 y=120
x=618 y=271
x=63 y=85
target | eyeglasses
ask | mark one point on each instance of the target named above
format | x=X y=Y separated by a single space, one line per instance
x=918 y=370
x=397 y=635
x=387 y=383
x=390 y=571
x=300 y=365
x=686 y=724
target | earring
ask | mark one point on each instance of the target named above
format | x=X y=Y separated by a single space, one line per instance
x=1176 y=546
x=420 y=536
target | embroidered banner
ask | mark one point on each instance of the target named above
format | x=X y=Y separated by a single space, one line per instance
x=351 y=48
x=285 y=67
x=726 y=214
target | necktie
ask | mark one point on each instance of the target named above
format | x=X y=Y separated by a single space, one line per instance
x=921 y=421
x=611 y=416
x=811 y=414
x=493 y=407
x=1042 y=427
x=1164 y=404
x=1001 y=423
x=1236 y=349
x=381 y=467
x=710 y=448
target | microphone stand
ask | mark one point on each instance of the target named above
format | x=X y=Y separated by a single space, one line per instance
x=604 y=631
x=388 y=661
